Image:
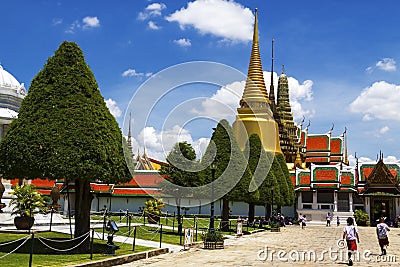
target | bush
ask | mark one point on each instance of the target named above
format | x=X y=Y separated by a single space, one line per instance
x=212 y=236
x=361 y=217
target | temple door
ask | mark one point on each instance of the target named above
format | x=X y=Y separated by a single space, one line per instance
x=343 y=201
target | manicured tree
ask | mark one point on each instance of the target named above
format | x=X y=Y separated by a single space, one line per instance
x=64 y=130
x=281 y=184
x=181 y=171
x=232 y=176
x=291 y=194
x=258 y=166
x=260 y=163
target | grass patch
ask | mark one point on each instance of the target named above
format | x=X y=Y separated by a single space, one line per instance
x=43 y=256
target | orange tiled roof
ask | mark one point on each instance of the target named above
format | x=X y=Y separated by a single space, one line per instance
x=133 y=191
x=346 y=180
x=144 y=179
x=336 y=146
x=100 y=187
x=317 y=143
x=325 y=175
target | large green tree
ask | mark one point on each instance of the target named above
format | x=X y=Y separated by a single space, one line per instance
x=285 y=171
x=260 y=165
x=232 y=176
x=182 y=171
x=64 y=130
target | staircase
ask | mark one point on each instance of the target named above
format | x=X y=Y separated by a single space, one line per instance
x=343 y=215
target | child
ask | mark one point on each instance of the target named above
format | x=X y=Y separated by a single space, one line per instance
x=328 y=219
x=337 y=221
x=381 y=231
x=350 y=232
x=303 y=221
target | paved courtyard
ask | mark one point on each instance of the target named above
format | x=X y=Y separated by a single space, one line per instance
x=317 y=245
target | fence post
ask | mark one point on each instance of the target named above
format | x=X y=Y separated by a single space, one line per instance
x=196 y=231
x=104 y=224
x=129 y=225
x=91 y=245
x=160 y=235
x=127 y=215
x=134 y=238
x=32 y=248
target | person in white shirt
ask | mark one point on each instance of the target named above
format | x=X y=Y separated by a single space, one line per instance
x=350 y=232
x=381 y=232
x=328 y=219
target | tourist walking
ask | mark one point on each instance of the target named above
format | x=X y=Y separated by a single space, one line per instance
x=303 y=221
x=328 y=219
x=337 y=221
x=381 y=231
x=350 y=233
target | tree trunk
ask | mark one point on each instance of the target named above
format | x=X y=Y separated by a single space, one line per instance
x=268 y=212
x=83 y=200
x=251 y=212
x=225 y=215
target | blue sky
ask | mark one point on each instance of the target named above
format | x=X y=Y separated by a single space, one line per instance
x=340 y=57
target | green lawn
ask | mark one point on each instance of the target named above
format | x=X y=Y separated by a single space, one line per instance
x=46 y=257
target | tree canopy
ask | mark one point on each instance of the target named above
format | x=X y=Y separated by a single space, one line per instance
x=65 y=130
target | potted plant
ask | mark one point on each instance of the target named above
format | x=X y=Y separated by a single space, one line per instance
x=152 y=208
x=26 y=203
x=213 y=239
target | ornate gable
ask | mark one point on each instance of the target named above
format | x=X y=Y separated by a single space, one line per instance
x=381 y=180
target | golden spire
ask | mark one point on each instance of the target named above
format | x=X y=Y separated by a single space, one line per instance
x=271 y=87
x=298 y=162
x=254 y=114
x=255 y=90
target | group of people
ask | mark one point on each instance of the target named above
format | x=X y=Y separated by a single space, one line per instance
x=329 y=218
x=350 y=233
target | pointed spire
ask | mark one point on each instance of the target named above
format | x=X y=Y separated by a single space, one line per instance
x=255 y=91
x=129 y=134
x=346 y=158
x=271 y=87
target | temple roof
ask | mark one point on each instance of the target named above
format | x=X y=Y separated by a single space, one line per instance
x=9 y=83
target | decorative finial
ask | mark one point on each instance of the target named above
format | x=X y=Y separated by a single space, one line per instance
x=283 y=68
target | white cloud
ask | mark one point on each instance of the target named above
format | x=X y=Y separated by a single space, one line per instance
x=152 y=10
x=159 y=143
x=90 y=22
x=183 y=42
x=73 y=27
x=223 y=104
x=385 y=64
x=380 y=132
x=153 y=26
x=220 y=18
x=57 y=21
x=113 y=107
x=225 y=101
x=134 y=73
x=379 y=101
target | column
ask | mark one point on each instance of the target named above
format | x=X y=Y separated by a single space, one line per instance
x=314 y=200
x=299 y=201
x=351 y=202
x=335 y=201
x=367 y=203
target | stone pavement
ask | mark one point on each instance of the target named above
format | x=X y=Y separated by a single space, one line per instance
x=316 y=245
